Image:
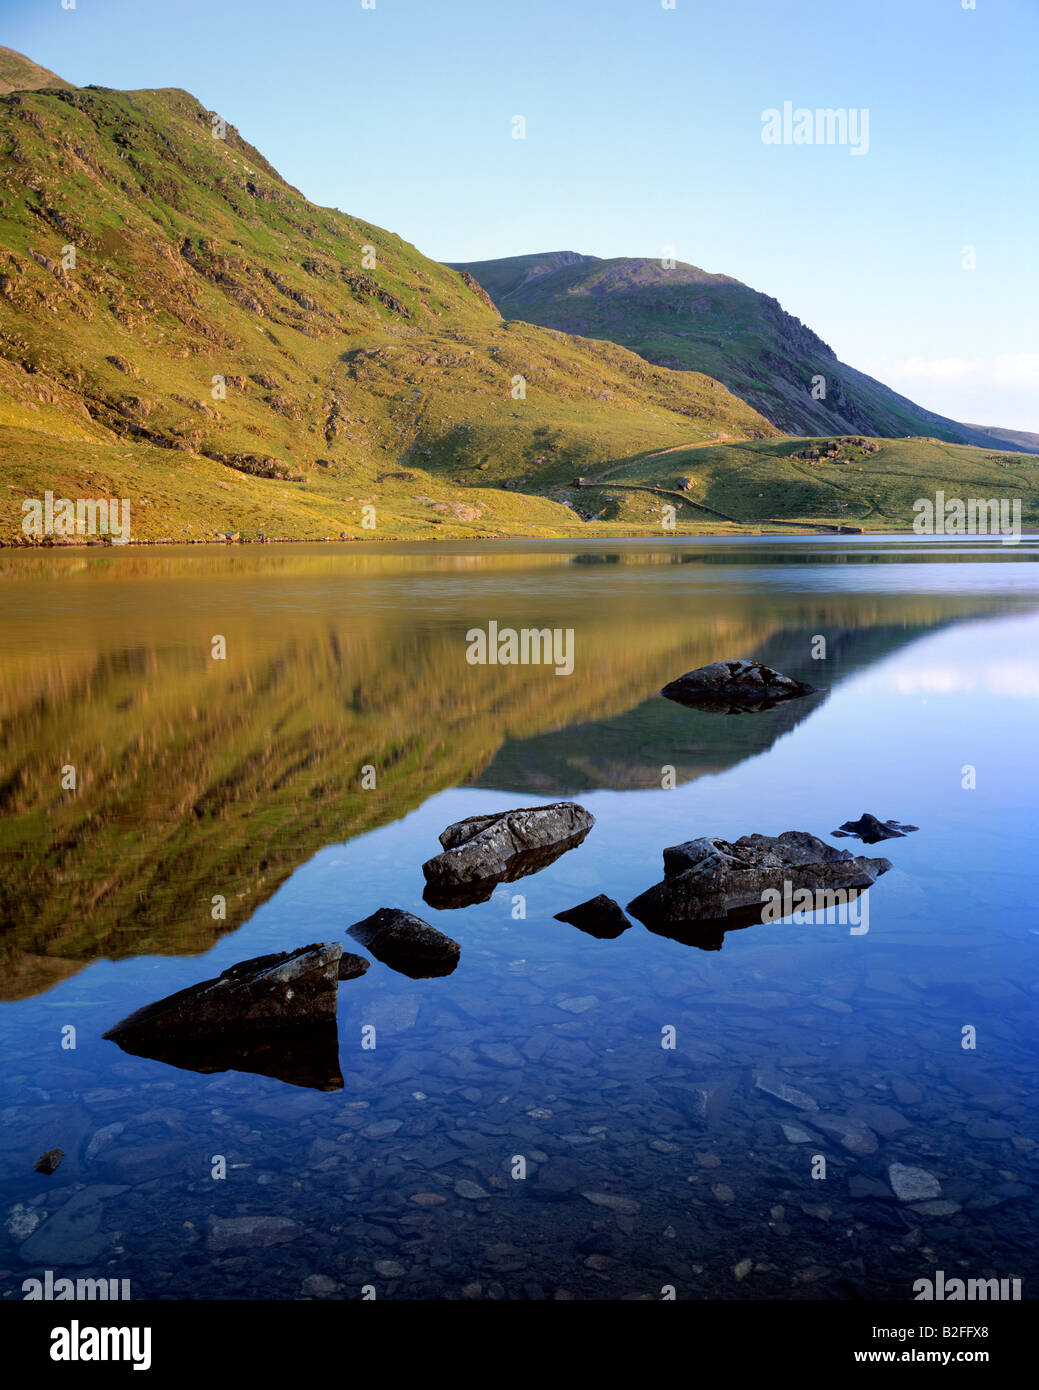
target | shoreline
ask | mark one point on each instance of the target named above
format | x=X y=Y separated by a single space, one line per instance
x=93 y=542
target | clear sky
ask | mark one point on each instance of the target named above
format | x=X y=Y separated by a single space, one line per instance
x=644 y=131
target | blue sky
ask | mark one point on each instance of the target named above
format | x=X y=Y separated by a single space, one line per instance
x=643 y=131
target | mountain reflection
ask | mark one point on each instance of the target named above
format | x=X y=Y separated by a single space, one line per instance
x=344 y=702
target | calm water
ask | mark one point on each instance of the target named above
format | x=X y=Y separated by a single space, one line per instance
x=243 y=778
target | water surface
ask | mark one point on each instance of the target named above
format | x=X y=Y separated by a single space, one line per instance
x=244 y=779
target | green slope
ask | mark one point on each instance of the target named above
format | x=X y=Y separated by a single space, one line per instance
x=686 y=318
x=342 y=350
x=869 y=483
x=21 y=74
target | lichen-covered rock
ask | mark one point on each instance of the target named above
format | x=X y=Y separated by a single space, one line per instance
x=507 y=844
x=735 y=687
x=707 y=878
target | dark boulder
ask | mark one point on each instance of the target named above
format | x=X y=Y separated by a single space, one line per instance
x=871 y=831
x=284 y=990
x=708 y=879
x=351 y=966
x=600 y=917
x=735 y=687
x=406 y=944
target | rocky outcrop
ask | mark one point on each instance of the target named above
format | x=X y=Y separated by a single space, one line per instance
x=600 y=917
x=407 y=944
x=285 y=990
x=871 y=831
x=707 y=879
x=735 y=687
x=483 y=851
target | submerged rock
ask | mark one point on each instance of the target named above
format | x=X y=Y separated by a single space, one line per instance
x=913 y=1184
x=708 y=879
x=406 y=944
x=482 y=851
x=285 y=990
x=251 y=1232
x=73 y=1235
x=776 y=1086
x=871 y=831
x=735 y=687
x=855 y=1136
x=600 y=917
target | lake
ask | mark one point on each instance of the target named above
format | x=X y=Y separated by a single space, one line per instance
x=561 y=1117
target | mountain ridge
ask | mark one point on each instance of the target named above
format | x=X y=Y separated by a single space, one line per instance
x=685 y=317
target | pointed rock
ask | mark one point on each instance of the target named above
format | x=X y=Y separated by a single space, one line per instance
x=284 y=990
x=600 y=917
x=871 y=831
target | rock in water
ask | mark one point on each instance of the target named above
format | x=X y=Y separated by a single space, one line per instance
x=483 y=851
x=707 y=879
x=913 y=1184
x=284 y=990
x=735 y=687
x=600 y=917
x=351 y=966
x=871 y=831
x=48 y=1162
x=407 y=944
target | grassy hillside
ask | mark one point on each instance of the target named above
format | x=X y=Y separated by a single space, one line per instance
x=181 y=327
x=686 y=318
x=18 y=74
x=872 y=483
x=166 y=289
